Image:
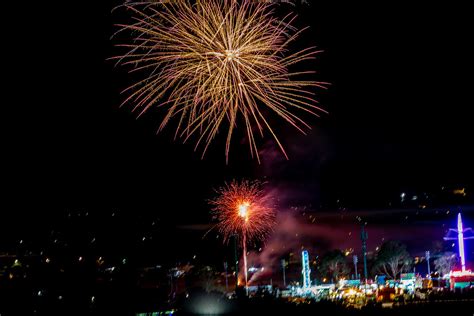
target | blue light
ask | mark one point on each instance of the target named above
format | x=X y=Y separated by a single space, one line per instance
x=306 y=270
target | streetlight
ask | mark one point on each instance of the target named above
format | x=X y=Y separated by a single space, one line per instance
x=355 y=259
x=226 y=279
x=427 y=255
x=283 y=265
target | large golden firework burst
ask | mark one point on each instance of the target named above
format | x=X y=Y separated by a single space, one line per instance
x=217 y=62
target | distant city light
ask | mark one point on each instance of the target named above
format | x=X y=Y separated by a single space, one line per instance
x=402 y=196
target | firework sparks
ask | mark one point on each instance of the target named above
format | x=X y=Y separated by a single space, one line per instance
x=243 y=209
x=217 y=62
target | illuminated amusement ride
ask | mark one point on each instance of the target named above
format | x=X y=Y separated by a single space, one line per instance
x=463 y=277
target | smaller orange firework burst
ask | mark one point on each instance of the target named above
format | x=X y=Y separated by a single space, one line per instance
x=243 y=209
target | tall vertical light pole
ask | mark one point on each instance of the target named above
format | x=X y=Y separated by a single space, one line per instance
x=356 y=260
x=236 y=261
x=427 y=256
x=226 y=278
x=283 y=266
x=363 y=237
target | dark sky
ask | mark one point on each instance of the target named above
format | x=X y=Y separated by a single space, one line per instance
x=399 y=108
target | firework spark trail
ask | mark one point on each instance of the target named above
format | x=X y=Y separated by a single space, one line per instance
x=214 y=62
x=243 y=209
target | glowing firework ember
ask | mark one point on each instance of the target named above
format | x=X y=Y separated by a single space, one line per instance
x=243 y=209
x=217 y=62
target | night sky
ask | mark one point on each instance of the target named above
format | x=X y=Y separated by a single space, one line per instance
x=399 y=105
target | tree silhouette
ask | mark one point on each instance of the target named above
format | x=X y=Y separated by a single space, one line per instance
x=445 y=263
x=392 y=259
x=333 y=265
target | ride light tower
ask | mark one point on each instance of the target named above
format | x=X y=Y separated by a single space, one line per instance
x=460 y=237
x=306 y=270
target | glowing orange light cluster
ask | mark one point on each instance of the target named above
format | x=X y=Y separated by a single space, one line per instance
x=217 y=62
x=242 y=208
